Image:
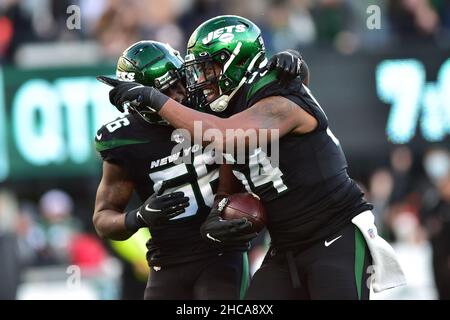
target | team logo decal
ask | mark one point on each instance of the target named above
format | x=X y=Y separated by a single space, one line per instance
x=125 y=76
x=224 y=34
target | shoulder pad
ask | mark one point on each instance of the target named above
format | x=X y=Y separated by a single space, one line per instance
x=117 y=133
x=262 y=79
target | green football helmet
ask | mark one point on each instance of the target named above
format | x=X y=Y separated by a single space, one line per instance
x=236 y=45
x=153 y=64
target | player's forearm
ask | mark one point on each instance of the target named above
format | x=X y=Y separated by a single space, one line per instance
x=224 y=133
x=191 y=120
x=110 y=224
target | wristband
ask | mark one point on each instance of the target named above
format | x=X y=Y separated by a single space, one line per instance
x=132 y=223
x=154 y=99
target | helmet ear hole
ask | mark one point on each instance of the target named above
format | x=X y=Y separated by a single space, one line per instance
x=223 y=56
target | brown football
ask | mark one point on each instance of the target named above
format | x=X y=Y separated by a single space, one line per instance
x=245 y=205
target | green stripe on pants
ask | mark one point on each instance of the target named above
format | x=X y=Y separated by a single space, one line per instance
x=245 y=276
x=359 y=260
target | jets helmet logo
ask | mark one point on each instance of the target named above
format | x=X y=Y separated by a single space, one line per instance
x=125 y=76
x=224 y=34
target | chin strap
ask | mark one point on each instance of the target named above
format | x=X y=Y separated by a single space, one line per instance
x=221 y=103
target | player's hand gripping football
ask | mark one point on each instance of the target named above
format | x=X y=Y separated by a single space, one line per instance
x=288 y=64
x=226 y=232
x=157 y=210
x=135 y=94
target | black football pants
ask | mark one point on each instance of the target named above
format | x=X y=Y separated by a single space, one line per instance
x=221 y=277
x=336 y=268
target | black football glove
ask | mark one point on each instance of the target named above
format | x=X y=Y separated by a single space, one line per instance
x=156 y=210
x=288 y=63
x=143 y=98
x=226 y=232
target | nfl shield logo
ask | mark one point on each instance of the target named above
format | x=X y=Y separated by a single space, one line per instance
x=371 y=233
x=177 y=137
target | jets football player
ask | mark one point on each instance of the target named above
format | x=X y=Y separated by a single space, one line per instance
x=313 y=206
x=139 y=155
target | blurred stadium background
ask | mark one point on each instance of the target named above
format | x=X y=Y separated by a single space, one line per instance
x=385 y=87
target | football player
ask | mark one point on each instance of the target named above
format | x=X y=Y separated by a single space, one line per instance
x=138 y=155
x=319 y=222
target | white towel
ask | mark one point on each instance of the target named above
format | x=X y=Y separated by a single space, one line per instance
x=388 y=272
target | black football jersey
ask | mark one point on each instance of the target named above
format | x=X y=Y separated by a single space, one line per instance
x=150 y=158
x=308 y=195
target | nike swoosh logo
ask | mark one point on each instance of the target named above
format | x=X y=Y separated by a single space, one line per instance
x=140 y=216
x=151 y=209
x=328 y=243
x=99 y=136
x=209 y=237
x=135 y=87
